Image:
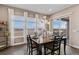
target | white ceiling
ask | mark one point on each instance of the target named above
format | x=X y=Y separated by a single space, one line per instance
x=42 y=8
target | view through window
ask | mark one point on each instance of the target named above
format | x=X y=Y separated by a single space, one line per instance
x=59 y=27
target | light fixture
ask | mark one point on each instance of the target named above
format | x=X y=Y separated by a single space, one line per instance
x=50 y=9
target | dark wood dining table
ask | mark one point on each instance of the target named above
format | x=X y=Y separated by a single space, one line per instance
x=41 y=41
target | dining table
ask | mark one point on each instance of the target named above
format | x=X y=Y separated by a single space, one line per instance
x=40 y=43
x=46 y=40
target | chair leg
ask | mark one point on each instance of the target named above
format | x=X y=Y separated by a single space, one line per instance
x=37 y=51
x=59 y=52
x=44 y=51
x=27 y=48
x=31 y=51
x=64 y=47
x=52 y=52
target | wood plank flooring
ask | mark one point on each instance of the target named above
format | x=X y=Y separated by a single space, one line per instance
x=22 y=50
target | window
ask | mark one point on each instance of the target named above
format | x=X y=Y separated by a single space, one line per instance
x=18 y=18
x=31 y=25
x=59 y=26
x=18 y=25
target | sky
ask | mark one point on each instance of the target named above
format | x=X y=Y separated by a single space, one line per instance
x=59 y=24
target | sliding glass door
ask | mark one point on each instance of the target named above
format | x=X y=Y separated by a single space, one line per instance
x=61 y=27
x=18 y=29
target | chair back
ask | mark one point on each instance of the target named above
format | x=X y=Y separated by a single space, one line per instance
x=29 y=40
x=57 y=42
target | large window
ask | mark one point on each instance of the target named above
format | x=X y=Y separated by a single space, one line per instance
x=34 y=25
x=21 y=27
x=59 y=27
x=31 y=25
x=18 y=29
x=18 y=25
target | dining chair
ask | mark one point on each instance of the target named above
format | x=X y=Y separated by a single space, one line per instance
x=31 y=46
x=53 y=46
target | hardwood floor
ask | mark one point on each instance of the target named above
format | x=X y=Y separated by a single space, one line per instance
x=22 y=50
x=16 y=50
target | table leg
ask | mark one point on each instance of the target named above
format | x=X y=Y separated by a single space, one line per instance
x=64 y=46
x=45 y=50
x=40 y=49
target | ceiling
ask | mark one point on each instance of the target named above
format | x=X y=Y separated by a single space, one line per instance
x=42 y=8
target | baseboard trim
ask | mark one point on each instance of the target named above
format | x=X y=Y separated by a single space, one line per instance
x=18 y=44
x=74 y=46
